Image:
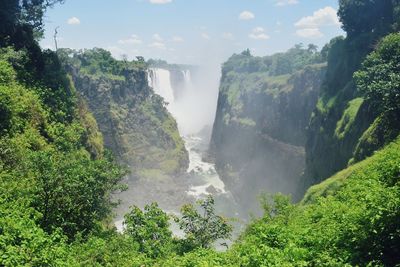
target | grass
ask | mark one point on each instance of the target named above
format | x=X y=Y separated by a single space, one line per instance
x=343 y=126
x=365 y=167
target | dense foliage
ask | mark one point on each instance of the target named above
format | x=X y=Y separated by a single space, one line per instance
x=134 y=121
x=22 y=16
x=202 y=230
x=344 y=129
x=359 y=16
x=56 y=178
x=98 y=62
x=150 y=228
x=278 y=64
x=379 y=78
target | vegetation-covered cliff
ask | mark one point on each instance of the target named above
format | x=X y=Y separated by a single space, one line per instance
x=264 y=106
x=134 y=121
x=56 y=178
x=347 y=125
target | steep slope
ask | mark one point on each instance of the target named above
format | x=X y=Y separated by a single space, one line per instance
x=341 y=128
x=264 y=106
x=134 y=121
x=351 y=219
x=55 y=176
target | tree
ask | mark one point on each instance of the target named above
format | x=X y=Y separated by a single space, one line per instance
x=150 y=229
x=366 y=16
x=15 y=13
x=312 y=48
x=72 y=192
x=379 y=77
x=203 y=230
x=246 y=53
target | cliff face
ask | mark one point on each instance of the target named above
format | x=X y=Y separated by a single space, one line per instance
x=345 y=127
x=260 y=128
x=135 y=124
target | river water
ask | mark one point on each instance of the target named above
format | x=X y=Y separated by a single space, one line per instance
x=201 y=178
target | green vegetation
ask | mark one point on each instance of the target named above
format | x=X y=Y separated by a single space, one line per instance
x=349 y=115
x=353 y=129
x=134 y=121
x=264 y=107
x=56 y=183
x=360 y=16
x=202 y=230
x=56 y=178
x=348 y=219
x=247 y=79
x=279 y=64
x=96 y=63
x=379 y=77
x=150 y=228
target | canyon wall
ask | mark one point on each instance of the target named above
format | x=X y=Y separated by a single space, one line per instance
x=264 y=107
x=134 y=120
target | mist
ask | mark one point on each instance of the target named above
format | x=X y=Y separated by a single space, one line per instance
x=195 y=106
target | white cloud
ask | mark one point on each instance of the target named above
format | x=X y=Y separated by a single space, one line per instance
x=310 y=26
x=309 y=33
x=160 y=2
x=246 y=15
x=177 y=39
x=323 y=17
x=157 y=37
x=228 y=36
x=158 y=45
x=286 y=2
x=73 y=21
x=258 y=33
x=134 y=40
x=205 y=36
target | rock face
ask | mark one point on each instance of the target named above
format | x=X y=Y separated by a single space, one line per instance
x=260 y=128
x=134 y=121
x=345 y=128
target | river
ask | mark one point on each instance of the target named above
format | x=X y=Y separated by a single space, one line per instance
x=201 y=178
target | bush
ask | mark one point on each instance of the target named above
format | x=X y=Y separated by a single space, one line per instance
x=379 y=77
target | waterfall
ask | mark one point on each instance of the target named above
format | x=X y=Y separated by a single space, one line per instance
x=187 y=78
x=160 y=81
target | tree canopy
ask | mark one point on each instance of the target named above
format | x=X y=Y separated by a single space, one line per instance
x=367 y=16
x=379 y=77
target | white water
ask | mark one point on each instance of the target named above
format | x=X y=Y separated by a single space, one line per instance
x=187 y=77
x=201 y=179
x=160 y=81
x=205 y=172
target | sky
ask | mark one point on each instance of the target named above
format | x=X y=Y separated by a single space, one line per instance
x=191 y=31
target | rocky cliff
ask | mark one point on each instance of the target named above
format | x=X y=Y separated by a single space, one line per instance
x=134 y=121
x=259 y=133
x=346 y=126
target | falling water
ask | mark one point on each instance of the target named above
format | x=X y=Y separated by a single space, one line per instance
x=204 y=173
x=187 y=77
x=160 y=81
x=201 y=178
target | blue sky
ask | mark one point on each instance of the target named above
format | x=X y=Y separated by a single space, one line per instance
x=191 y=31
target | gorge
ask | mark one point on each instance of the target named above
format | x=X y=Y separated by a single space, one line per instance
x=285 y=155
